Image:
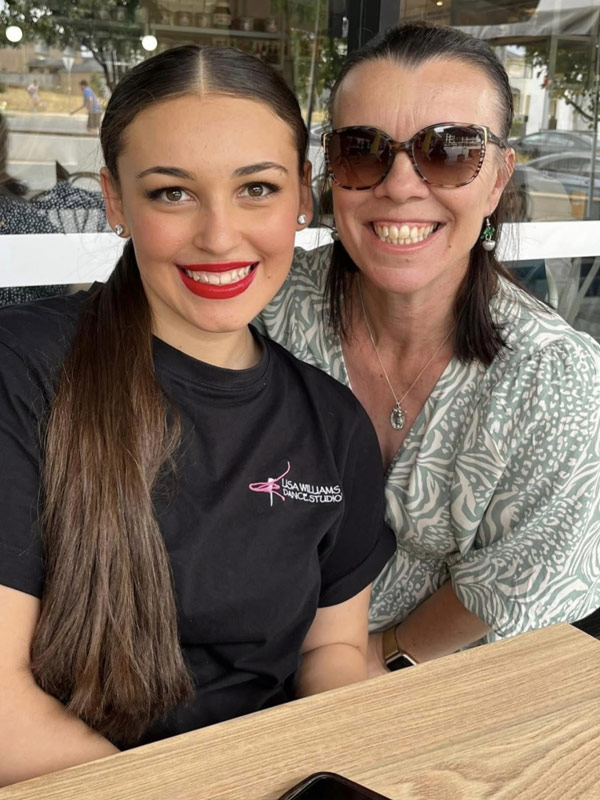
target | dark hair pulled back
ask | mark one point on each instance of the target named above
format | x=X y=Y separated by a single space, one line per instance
x=476 y=335
x=106 y=643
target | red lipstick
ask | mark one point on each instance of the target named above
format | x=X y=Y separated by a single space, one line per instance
x=211 y=291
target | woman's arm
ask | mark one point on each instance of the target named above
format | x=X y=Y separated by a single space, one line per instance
x=439 y=626
x=334 y=652
x=37 y=734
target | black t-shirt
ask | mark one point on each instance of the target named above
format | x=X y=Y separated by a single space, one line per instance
x=276 y=509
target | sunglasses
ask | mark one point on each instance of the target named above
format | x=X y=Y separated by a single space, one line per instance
x=449 y=154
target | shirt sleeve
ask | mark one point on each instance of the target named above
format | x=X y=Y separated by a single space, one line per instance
x=535 y=556
x=362 y=543
x=294 y=317
x=20 y=546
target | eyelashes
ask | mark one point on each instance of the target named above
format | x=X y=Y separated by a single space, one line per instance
x=162 y=195
x=176 y=195
x=272 y=188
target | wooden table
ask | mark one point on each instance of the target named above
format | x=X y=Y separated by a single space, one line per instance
x=516 y=719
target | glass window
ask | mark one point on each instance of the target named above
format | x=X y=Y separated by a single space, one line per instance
x=553 y=164
x=60 y=60
x=56 y=77
x=550 y=51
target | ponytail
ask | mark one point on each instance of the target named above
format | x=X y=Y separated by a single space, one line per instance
x=106 y=643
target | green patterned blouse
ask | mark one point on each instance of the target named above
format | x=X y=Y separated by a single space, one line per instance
x=497 y=484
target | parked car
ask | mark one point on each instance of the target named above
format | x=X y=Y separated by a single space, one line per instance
x=543 y=143
x=316 y=131
x=556 y=187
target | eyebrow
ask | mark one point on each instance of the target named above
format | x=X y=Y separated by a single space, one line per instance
x=177 y=172
x=260 y=167
x=174 y=172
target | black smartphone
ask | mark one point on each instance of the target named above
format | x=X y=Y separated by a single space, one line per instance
x=329 y=786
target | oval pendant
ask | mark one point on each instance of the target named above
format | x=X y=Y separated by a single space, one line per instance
x=397 y=417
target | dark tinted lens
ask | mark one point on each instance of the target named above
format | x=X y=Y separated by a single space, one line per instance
x=357 y=158
x=449 y=156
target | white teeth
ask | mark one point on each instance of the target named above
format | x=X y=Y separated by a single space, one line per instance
x=403 y=234
x=219 y=278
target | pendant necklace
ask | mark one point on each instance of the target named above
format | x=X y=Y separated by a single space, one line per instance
x=398 y=415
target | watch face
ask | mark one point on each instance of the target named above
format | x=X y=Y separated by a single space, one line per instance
x=399 y=662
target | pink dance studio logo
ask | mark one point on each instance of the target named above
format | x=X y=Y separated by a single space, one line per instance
x=297 y=490
x=270 y=486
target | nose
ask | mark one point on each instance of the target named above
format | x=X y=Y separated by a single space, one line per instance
x=217 y=229
x=402 y=183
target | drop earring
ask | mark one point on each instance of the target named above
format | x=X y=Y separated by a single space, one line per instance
x=302 y=219
x=334 y=233
x=487 y=235
x=119 y=230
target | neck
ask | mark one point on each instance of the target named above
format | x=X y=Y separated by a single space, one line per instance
x=403 y=323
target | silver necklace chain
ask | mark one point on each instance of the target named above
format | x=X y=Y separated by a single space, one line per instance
x=398 y=415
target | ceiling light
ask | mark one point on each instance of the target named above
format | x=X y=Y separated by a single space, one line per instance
x=149 y=42
x=14 y=33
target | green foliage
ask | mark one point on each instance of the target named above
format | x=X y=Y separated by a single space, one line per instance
x=330 y=54
x=518 y=127
x=108 y=28
x=573 y=75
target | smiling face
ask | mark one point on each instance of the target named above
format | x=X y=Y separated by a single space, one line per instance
x=405 y=235
x=208 y=189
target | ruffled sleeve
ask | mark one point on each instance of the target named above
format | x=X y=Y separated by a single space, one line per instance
x=533 y=452
x=295 y=316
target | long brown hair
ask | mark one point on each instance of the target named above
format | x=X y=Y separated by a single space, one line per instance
x=106 y=643
x=477 y=336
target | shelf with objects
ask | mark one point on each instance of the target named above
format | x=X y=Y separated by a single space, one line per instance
x=269 y=47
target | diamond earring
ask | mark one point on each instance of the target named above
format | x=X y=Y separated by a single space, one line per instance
x=302 y=219
x=334 y=234
x=487 y=235
x=119 y=230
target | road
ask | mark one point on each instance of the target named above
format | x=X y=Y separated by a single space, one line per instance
x=38 y=141
x=47 y=123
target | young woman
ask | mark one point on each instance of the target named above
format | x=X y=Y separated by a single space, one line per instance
x=486 y=403
x=190 y=517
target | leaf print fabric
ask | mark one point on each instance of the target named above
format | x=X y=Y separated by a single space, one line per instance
x=497 y=485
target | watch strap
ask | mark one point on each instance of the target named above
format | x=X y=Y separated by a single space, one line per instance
x=394 y=656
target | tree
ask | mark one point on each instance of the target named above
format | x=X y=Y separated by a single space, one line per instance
x=109 y=29
x=330 y=52
x=574 y=73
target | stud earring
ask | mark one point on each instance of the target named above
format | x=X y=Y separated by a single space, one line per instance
x=487 y=235
x=334 y=234
x=302 y=219
x=119 y=230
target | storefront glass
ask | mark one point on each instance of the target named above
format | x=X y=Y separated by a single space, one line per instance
x=50 y=155
x=551 y=51
x=50 y=139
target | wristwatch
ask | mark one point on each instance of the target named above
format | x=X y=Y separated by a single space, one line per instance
x=393 y=656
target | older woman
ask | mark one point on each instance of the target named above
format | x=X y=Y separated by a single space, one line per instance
x=485 y=402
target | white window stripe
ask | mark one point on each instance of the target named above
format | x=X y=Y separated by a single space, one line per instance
x=54 y=258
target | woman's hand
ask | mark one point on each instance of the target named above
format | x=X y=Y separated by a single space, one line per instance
x=439 y=626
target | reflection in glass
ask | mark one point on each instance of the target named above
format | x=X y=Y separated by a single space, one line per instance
x=548 y=48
